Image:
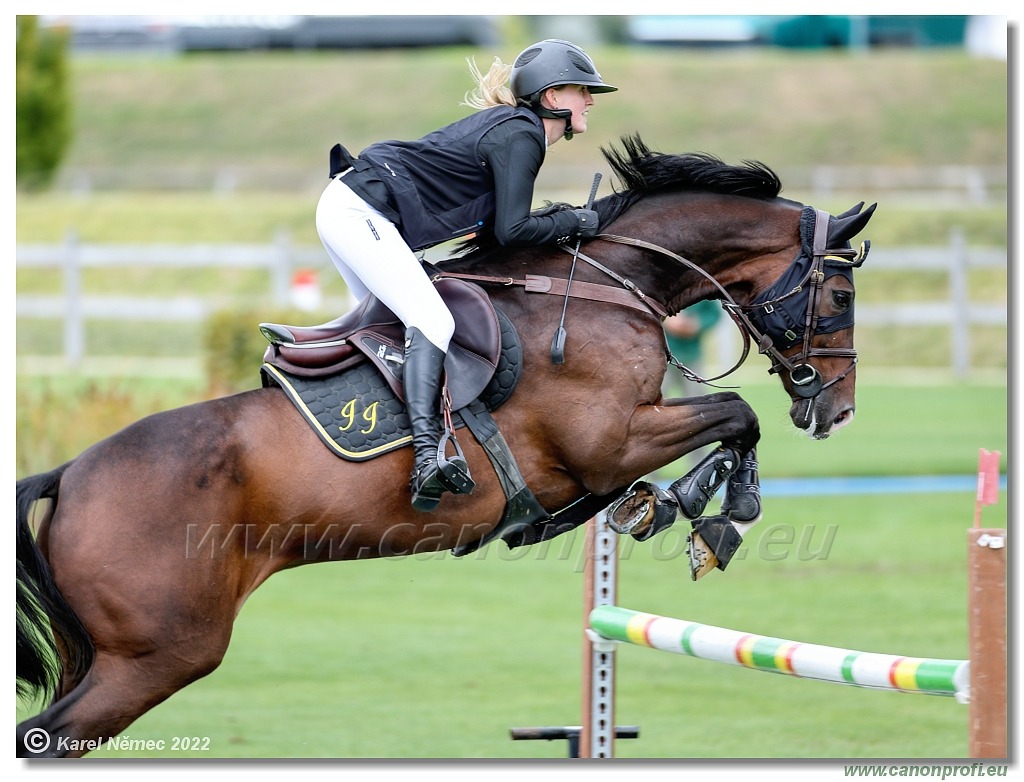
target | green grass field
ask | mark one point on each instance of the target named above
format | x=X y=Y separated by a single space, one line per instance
x=285 y=109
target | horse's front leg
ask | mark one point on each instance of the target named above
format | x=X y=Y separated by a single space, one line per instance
x=658 y=434
x=647 y=509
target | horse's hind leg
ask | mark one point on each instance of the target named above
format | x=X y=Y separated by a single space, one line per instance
x=151 y=640
x=116 y=691
x=155 y=628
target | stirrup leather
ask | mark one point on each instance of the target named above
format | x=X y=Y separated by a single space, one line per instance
x=454 y=472
x=433 y=478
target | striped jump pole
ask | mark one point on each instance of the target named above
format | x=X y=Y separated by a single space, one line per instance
x=763 y=653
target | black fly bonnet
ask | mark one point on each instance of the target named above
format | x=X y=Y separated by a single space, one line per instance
x=787 y=318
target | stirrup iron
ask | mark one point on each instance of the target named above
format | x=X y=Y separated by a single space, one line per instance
x=453 y=473
x=442 y=474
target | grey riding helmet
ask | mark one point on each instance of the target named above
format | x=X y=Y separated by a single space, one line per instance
x=553 y=63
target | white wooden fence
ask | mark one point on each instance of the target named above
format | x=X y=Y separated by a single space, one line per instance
x=952 y=184
x=282 y=258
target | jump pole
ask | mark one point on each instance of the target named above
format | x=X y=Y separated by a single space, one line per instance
x=777 y=655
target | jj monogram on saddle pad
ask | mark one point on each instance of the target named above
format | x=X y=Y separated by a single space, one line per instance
x=130 y=586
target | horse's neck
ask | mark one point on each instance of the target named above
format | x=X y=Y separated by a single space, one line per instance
x=708 y=225
x=738 y=241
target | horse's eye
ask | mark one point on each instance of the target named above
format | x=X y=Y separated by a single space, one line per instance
x=842 y=299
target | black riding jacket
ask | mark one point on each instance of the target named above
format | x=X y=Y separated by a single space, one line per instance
x=474 y=173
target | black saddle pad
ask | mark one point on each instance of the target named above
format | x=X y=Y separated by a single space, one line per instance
x=357 y=415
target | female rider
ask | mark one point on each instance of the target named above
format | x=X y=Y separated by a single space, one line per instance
x=398 y=197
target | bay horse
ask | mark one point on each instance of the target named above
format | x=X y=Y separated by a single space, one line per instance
x=114 y=615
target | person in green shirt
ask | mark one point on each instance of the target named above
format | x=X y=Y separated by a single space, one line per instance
x=685 y=332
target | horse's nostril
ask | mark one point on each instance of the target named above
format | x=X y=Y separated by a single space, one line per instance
x=844 y=417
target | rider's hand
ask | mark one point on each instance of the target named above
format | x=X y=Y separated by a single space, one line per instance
x=587 y=219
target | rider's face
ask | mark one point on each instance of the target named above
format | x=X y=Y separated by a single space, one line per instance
x=576 y=98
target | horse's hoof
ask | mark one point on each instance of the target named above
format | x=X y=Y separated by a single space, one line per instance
x=713 y=543
x=702 y=558
x=632 y=511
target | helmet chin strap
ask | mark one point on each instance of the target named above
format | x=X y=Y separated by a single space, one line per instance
x=546 y=113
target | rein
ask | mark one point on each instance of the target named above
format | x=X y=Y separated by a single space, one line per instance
x=633 y=297
x=806 y=380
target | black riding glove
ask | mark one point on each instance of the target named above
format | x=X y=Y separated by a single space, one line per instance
x=587 y=222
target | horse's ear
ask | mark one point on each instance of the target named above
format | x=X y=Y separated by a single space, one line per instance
x=849 y=224
x=851 y=211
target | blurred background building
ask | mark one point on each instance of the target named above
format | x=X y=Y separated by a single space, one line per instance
x=174 y=34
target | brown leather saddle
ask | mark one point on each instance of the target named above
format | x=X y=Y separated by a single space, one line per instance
x=482 y=368
x=372 y=332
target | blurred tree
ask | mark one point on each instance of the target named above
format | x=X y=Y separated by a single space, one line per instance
x=43 y=103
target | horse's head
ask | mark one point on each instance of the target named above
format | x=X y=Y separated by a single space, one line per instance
x=807 y=314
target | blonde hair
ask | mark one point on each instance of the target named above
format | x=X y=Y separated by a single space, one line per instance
x=491 y=88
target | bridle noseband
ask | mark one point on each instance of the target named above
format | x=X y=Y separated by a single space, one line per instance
x=805 y=378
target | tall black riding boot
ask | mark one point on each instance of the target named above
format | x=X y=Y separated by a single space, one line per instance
x=432 y=474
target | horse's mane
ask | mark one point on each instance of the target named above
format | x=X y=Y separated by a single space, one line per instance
x=641 y=172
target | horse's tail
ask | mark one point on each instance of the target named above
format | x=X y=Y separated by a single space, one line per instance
x=53 y=648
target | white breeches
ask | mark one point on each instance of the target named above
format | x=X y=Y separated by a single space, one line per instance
x=372 y=257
